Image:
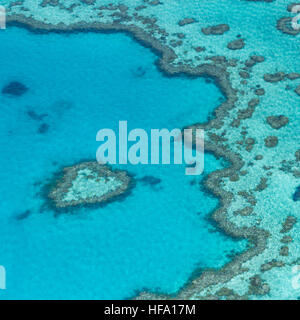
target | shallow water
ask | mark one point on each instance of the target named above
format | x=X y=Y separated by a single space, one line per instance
x=155 y=238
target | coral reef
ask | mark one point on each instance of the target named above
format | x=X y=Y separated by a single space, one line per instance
x=253 y=205
x=216 y=30
x=89 y=183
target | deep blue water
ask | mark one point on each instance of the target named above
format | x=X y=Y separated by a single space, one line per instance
x=79 y=84
x=296 y=195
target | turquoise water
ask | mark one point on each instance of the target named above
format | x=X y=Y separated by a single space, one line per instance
x=155 y=238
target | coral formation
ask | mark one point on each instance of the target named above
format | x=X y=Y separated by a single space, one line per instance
x=89 y=183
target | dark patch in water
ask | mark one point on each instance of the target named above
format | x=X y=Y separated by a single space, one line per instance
x=34 y=116
x=139 y=72
x=15 y=88
x=232 y=254
x=43 y=128
x=296 y=195
x=23 y=215
x=193 y=182
x=150 y=180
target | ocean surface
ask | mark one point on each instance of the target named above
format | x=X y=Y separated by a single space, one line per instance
x=160 y=234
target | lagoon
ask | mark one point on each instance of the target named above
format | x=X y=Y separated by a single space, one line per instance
x=158 y=237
